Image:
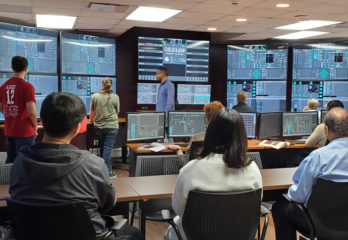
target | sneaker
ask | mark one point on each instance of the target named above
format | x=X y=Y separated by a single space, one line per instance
x=112 y=175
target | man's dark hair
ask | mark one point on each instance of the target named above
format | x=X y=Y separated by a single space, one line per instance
x=336 y=121
x=60 y=113
x=226 y=135
x=164 y=70
x=19 y=63
x=333 y=104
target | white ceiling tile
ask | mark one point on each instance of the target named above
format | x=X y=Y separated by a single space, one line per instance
x=98 y=14
x=17 y=2
x=23 y=17
x=196 y=15
x=120 y=2
x=213 y=8
x=185 y=21
x=60 y=4
x=173 y=4
x=56 y=11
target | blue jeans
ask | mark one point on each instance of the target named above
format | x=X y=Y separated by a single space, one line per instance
x=106 y=140
x=13 y=144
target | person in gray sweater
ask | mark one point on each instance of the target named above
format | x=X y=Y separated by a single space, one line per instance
x=54 y=172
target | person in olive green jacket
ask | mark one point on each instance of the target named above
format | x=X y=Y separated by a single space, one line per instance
x=105 y=107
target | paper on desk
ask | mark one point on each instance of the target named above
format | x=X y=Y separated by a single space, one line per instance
x=156 y=148
x=274 y=144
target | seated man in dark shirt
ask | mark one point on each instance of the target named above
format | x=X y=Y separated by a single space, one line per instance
x=242 y=106
x=54 y=171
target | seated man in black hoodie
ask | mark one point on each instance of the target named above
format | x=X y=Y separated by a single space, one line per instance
x=54 y=171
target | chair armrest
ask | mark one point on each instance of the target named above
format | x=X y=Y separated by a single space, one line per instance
x=119 y=224
x=167 y=216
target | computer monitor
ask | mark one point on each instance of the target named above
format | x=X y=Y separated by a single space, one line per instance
x=145 y=126
x=299 y=123
x=193 y=94
x=83 y=86
x=147 y=93
x=87 y=55
x=186 y=124
x=234 y=87
x=250 y=123
x=270 y=125
x=185 y=60
x=271 y=96
x=322 y=116
x=304 y=90
x=43 y=85
x=38 y=45
x=322 y=61
x=257 y=62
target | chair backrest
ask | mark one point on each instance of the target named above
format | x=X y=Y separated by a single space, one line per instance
x=196 y=149
x=158 y=165
x=5 y=173
x=255 y=156
x=80 y=141
x=66 y=221
x=328 y=209
x=224 y=215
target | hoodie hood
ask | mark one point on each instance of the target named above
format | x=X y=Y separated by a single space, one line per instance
x=45 y=163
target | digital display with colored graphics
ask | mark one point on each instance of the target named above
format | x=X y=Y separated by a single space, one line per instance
x=325 y=61
x=185 y=60
x=88 y=55
x=145 y=126
x=193 y=94
x=257 y=62
x=186 y=124
x=39 y=46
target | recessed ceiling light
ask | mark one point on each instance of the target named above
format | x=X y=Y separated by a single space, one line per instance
x=305 y=25
x=152 y=14
x=241 y=19
x=282 y=5
x=55 y=21
x=211 y=28
x=301 y=34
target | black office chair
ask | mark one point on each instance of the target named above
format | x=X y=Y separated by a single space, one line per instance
x=157 y=165
x=327 y=210
x=54 y=222
x=195 y=150
x=265 y=207
x=221 y=215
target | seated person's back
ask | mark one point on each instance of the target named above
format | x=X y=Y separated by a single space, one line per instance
x=224 y=165
x=54 y=171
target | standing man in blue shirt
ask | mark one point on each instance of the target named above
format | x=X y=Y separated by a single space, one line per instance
x=329 y=162
x=165 y=92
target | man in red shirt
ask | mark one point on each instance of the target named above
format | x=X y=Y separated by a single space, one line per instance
x=17 y=103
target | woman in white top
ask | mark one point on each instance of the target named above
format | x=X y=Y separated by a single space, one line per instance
x=318 y=136
x=224 y=165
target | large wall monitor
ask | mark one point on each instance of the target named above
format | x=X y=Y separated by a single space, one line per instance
x=43 y=85
x=39 y=46
x=270 y=125
x=263 y=96
x=145 y=126
x=186 y=60
x=147 y=93
x=250 y=124
x=193 y=94
x=304 y=90
x=186 y=124
x=82 y=86
x=247 y=62
x=88 y=55
x=299 y=123
x=325 y=61
x=4 y=77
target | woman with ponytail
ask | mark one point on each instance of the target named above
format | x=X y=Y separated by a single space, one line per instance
x=105 y=107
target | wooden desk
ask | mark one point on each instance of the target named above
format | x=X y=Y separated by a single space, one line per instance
x=124 y=192
x=154 y=187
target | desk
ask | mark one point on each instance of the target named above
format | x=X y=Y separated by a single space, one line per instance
x=124 y=192
x=154 y=187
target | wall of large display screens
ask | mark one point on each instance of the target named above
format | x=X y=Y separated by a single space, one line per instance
x=319 y=71
x=185 y=60
x=88 y=55
x=260 y=71
x=39 y=46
